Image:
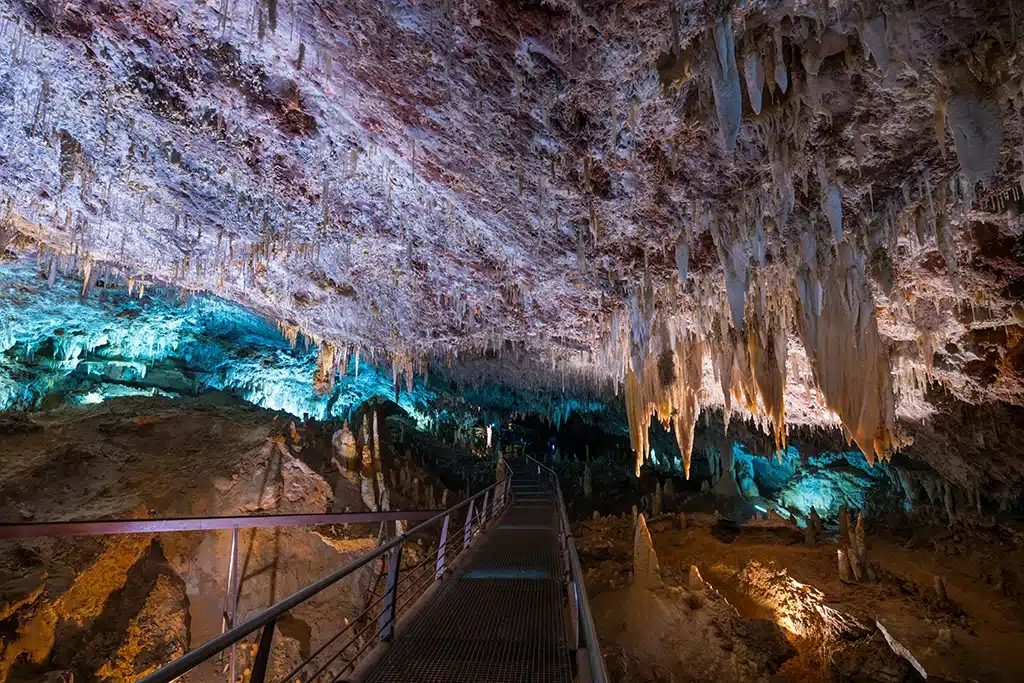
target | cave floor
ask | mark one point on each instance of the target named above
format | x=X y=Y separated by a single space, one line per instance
x=985 y=623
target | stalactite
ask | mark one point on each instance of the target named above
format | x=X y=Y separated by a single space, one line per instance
x=781 y=74
x=689 y=356
x=725 y=81
x=977 y=126
x=682 y=259
x=850 y=361
x=872 y=33
x=753 y=73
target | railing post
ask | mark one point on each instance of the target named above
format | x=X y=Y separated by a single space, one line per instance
x=259 y=666
x=574 y=614
x=483 y=511
x=469 y=526
x=232 y=600
x=387 y=615
x=440 y=549
x=504 y=490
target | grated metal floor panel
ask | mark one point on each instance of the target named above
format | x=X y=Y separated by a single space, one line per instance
x=500 y=618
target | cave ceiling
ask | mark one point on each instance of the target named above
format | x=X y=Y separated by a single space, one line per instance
x=805 y=211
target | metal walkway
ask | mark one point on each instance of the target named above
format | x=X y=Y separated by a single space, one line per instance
x=501 y=616
x=499 y=599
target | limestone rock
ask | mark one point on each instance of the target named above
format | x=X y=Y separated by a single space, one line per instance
x=303 y=489
x=900 y=650
x=645 y=634
x=157 y=634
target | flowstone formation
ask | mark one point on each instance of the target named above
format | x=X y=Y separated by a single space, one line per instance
x=801 y=213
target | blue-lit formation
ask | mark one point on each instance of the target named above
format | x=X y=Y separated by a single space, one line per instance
x=499 y=401
x=58 y=348
x=824 y=482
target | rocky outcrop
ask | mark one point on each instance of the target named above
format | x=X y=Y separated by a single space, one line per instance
x=116 y=607
x=669 y=632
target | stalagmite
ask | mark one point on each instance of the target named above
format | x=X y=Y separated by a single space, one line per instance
x=725 y=82
x=859 y=550
x=694 y=581
x=646 y=571
x=812 y=534
x=947 y=502
x=844 y=563
x=656 y=507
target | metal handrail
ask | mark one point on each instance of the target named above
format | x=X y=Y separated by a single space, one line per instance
x=582 y=614
x=268 y=617
x=99 y=527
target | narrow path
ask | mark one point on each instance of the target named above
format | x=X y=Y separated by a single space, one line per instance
x=500 y=617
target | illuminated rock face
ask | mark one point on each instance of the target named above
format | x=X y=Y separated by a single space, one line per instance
x=824 y=482
x=61 y=348
x=822 y=203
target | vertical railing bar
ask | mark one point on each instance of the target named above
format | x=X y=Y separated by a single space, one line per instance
x=469 y=526
x=259 y=667
x=439 y=570
x=387 y=616
x=233 y=572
